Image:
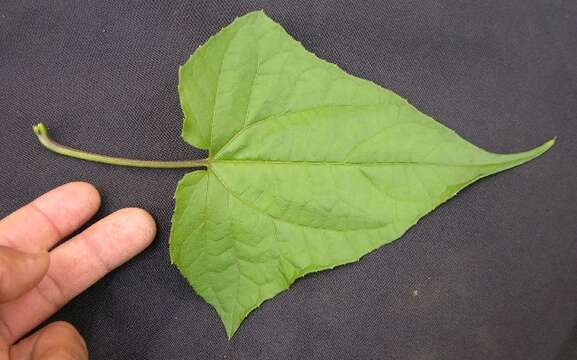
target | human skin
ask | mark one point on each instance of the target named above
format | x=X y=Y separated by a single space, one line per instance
x=39 y=272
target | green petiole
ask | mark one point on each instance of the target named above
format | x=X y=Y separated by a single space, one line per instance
x=42 y=132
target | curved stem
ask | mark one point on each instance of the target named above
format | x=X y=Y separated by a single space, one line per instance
x=42 y=132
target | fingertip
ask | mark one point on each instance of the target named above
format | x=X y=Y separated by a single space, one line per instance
x=139 y=224
x=121 y=235
x=88 y=189
x=116 y=238
x=83 y=190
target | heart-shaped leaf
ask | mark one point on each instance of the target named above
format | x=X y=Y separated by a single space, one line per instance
x=309 y=167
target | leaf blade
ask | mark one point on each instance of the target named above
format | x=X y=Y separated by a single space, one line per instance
x=309 y=167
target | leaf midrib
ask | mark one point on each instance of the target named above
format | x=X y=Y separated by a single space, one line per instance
x=343 y=163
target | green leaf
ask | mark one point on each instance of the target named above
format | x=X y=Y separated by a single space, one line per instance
x=309 y=167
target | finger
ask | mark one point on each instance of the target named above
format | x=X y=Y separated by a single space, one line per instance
x=20 y=271
x=56 y=341
x=49 y=218
x=78 y=263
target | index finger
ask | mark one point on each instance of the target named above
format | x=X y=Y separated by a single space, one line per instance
x=49 y=218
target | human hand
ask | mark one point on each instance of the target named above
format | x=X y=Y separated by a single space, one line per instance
x=38 y=275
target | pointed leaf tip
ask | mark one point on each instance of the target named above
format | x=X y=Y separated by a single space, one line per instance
x=539 y=150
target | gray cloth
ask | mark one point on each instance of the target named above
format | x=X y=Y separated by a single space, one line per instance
x=491 y=274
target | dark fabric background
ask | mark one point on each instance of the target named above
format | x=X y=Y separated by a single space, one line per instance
x=492 y=274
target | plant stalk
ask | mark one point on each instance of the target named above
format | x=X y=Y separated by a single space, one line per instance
x=42 y=132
